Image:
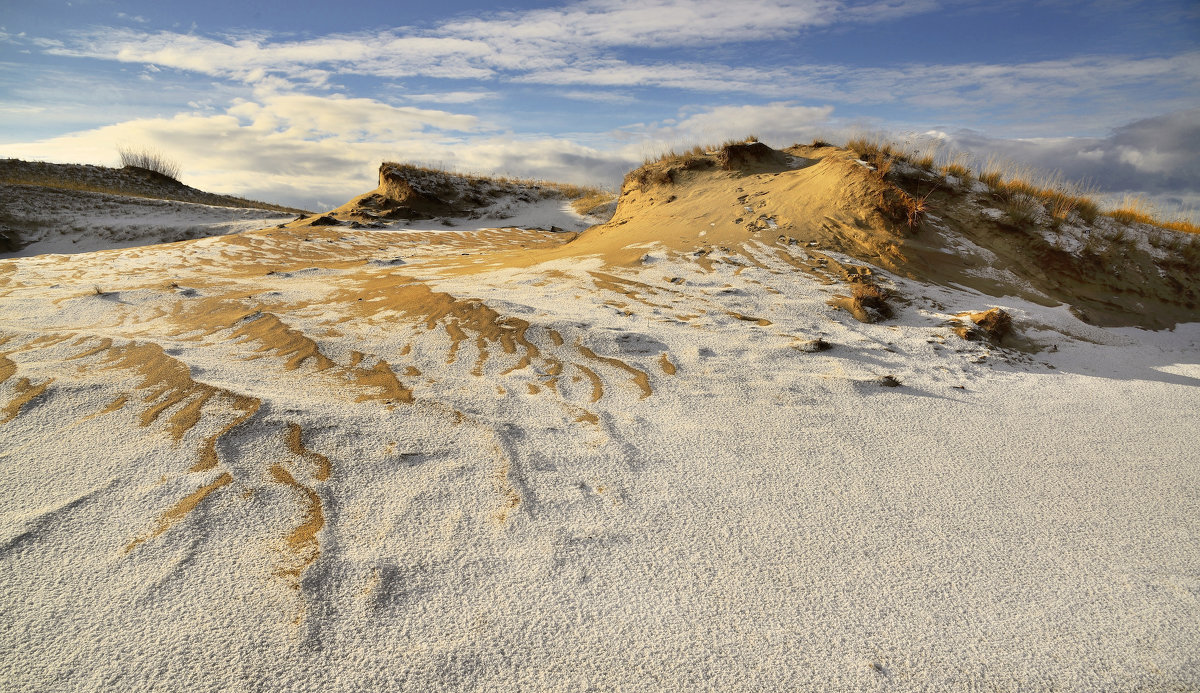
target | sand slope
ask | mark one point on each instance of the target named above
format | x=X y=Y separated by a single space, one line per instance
x=334 y=458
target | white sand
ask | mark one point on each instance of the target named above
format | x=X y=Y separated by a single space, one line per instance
x=766 y=519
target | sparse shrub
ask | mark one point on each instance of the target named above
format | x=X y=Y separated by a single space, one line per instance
x=1063 y=203
x=871 y=300
x=150 y=160
x=1022 y=209
x=900 y=206
x=1190 y=252
x=1135 y=209
x=1180 y=225
x=1088 y=209
x=959 y=169
x=991 y=178
x=916 y=208
x=878 y=154
x=1120 y=236
x=870 y=150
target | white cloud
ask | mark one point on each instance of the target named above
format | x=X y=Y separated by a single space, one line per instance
x=250 y=58
x=1156 y=156
x=780 y=124
x=687 y=76
x=598 y=96
x=349 y=119
x=573 y=37
x=287 y=147
x=1047 y=87
x=581 y=45
x=452 y=97
x=272 y=102
x=654 y=22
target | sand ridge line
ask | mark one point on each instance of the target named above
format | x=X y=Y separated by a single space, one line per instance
x=381 y=378
x=26 y=392
x=626 y=287
x=461 y=319
x=210 y=316
x=248 y=406
x=481 y=348
x=8 y=367
x=276 y=338
x=303 y=545
x=597 y=386
x=181 y=509
x=169 y=382
x=640 y=377
x=522 y=364
x=294 y=437
x=761 y=322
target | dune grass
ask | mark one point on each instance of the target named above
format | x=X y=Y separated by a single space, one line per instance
x=1134 y=209
x=150 y=160
x=698 y=150
x=881 y=156
x=1060 y=198
x=1020 y=190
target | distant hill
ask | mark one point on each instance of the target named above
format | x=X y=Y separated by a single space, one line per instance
x=73 y=208
x=129 y=181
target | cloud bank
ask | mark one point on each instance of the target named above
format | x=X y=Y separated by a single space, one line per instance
x=304 y=119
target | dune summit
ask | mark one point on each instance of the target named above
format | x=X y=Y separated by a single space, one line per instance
x=788 y=420
x=911 y=221
x=414 y=193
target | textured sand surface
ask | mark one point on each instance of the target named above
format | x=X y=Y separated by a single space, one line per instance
x=324 y=459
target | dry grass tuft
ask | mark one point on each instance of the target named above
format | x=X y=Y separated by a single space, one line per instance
x=1022 y=209
x=880 y=154
x=960 y=168
x=899 y=205
x=572 y=191
x=871 y=300
x=1180 y=225
x=150 y=160
x=1134 y=209
x=1021 y=191
x=893 y=201
x=665 y=168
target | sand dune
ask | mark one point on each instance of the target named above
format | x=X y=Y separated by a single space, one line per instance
x=646 y=455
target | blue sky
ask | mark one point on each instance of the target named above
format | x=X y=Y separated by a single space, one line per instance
x=298 y=103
